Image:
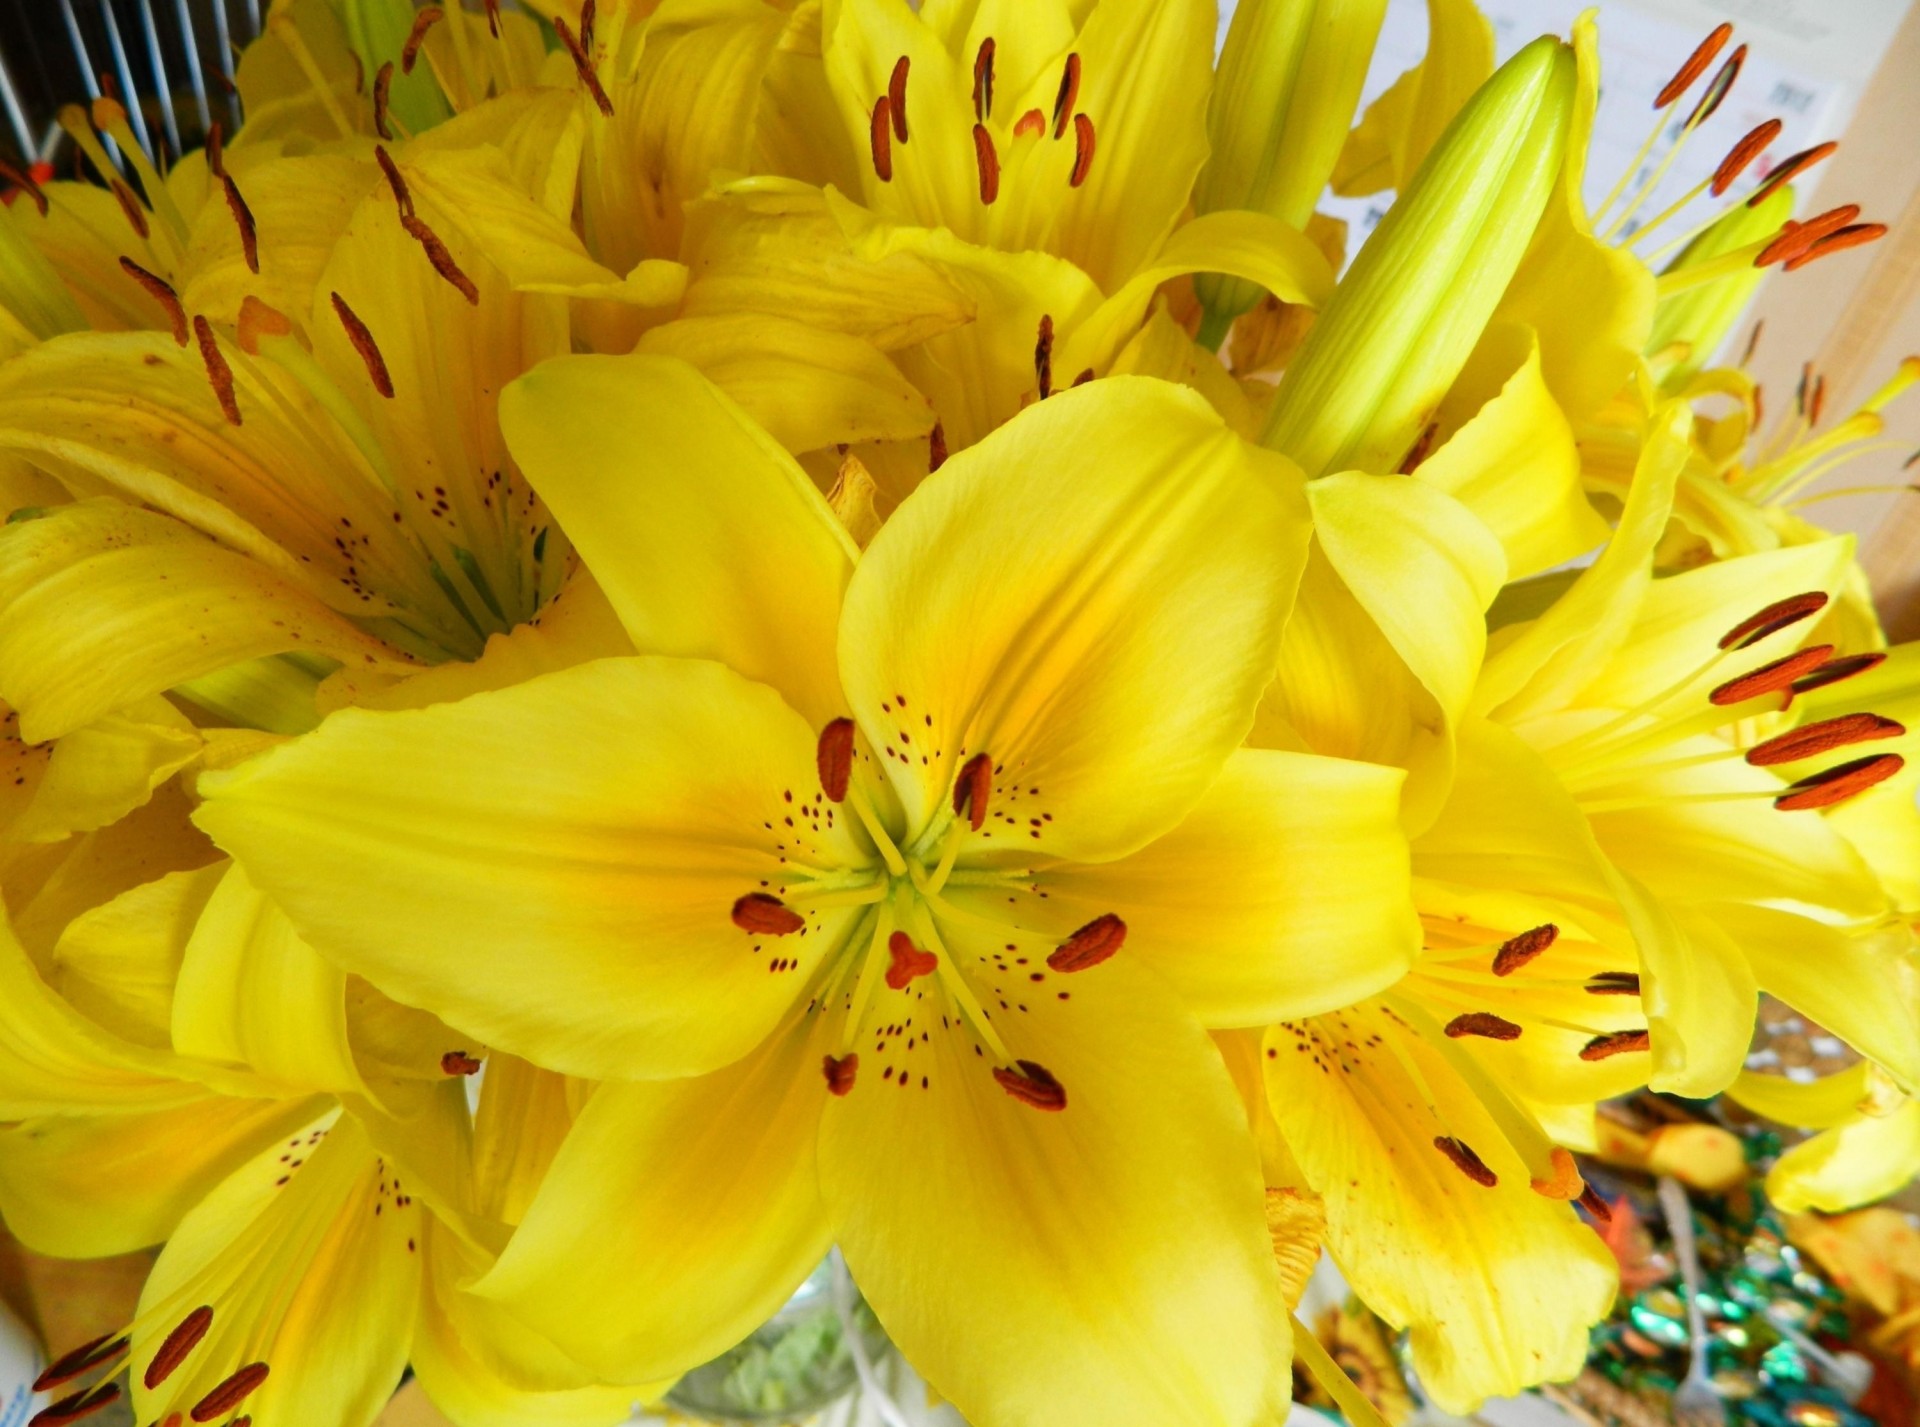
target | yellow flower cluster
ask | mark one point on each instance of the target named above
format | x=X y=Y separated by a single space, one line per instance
x=641 y=639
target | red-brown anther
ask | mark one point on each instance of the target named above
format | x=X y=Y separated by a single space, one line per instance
x=493 y=18
x=1086 y=375
x=1789 y=169
x=1618 y=1043
x=1091 y=945
x=1817 y=402
x=78 y=1406
x=180 y=1342
x=1515 y=952
x=1043 y=357
x=908 y=961
x=1718 y=89
x=1032 y=1084
x=1834 y=670
x=1695 y=66
x=983 y=81
x=243 y=219
x=989 y=162
x=840 y=1071
x=458 y=1062
x=583 y=64
x=1030 y=125
x=441 y=259
x=972 y=789
x=1813 y=739
x=364 y=344
x=1742 y=154
x=1614 y=983
x=219 y=374
x=80 y=1361
x=1796 y=238
x=936 y=448
x=23 y=181
x=1067 y=97
x=230 y=1393
x=1465 y=1160
x=880 y=138
x=130 y=206
x=417 y=36
x=589 y=17
x=382 y=94
x=833 y=756
x=1858 y=235
x=1836 y=785
x=402 y=195
x=161 y=291
x=1484 y=1024
x=762 y=914
x=216 y=149
x=1591 y=1201
x=1781 y=614
x=1082 y=150
x=897 y=97
x=1770 y=678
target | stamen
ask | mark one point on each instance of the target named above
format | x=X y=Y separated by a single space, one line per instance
x=1565 y=1181
x=1031 y=125
x=972 y=788
x=1516 y=952
x=493 y=18
x=382 y=92
x=417 y=36
x=1817 y=738
x=989 y=163
x=1790 y=168
x=24 y=181
x=1082 y=150
x=1781 y=614
x=218 y=372
x=1086 y=375
x=130 y=206
x=230 y=1393
x=216 y=150
x=243 y=219
x=983 y=81
x=897 y=97
x=1836 y=785
x=763 y=914
x=1743 y=153
x=81 y=1360
x=161 y=291
x=1043 y=357
x=1591 y=1201
x=833 y=756
x=441 y=259
x=589 y=17
x=1068 y=96
x=1484 y=1024
x=1834 y=670
x=840 y=1071
x=908 y=961
x=1770 y=678
x=1614 y=983
x=1798 y=237
x=1032 y=1084
x=258 y=320
x=1717 y=91
x=880 y=138
x=1859 y=235
x=402 y=195
x=1465 y=1160
x=79 y=1405
x=1695 y=66
x=179 y=1343
x=1817 y=402
x=584 y=65
x=1091 y=945
x=1753 y=342
x=936 y=448
x=364 y=344
x=458 y=1062
x=1617 y=1043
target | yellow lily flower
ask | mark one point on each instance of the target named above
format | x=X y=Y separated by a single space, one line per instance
x=1867 y=1140
x=843 y=921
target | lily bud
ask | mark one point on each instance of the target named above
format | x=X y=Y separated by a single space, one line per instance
x=1693 y=323
x=1400 y=325
x=1283 y=100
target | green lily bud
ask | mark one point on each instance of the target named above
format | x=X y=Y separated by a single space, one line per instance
x=1693 y=323
x=1402 y=322
x=1283 y=101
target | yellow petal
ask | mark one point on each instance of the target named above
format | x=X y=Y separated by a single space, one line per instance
x=1403 y=124
x=1039 y=596
x=102 y=771
x=663 y=524
x=1163 y=349
x=1285 y=892
x=1820 y=1104
x=117 y=963
x=1107 y=1262
x=679 y=1214
x=660 y=786
x=1498 y=1284
x=1855 y=1163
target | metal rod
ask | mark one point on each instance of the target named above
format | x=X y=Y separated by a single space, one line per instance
x=16 y=116
x=130 y=96
x=223 y=38
x=195 y=75
x=88 y=79
x=160 y=78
